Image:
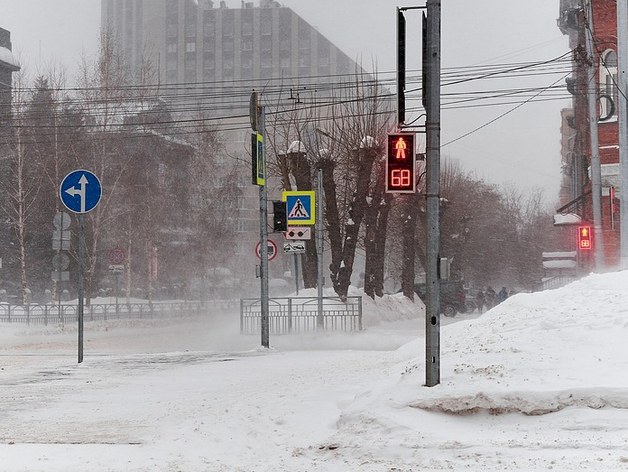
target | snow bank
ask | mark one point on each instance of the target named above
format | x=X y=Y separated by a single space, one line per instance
x=533 y=354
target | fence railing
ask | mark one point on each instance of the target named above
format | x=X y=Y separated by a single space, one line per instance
x=300 y=315
x=68 y=313
x=555 y=282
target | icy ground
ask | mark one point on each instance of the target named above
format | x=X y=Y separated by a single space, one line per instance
x=538 y=383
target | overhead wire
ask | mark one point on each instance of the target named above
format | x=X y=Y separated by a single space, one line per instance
x=226 y=97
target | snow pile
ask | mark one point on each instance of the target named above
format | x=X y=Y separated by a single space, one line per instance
x=533 y=354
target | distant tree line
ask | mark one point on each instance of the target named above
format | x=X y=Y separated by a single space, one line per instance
x=172 y=204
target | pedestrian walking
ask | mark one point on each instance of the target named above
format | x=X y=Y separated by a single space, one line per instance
x=479 y=301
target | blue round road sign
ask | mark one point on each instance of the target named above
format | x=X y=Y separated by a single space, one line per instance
x=80 y=191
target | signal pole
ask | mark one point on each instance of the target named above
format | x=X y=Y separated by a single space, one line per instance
x=259 y=178
x=432 y=127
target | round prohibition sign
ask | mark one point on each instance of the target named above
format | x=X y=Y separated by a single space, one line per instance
x=272 y=250
x=117 y=255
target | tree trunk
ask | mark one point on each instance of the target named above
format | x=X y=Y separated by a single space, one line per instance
x=409 y=226
x=352 y=227
x=375 y=238
x=301 y=170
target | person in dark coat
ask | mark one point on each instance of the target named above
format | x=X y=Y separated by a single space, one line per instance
x=502 y=295
x=479 y=300
x=490 y=297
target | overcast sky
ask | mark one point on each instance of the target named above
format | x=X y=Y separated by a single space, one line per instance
x=521 y=147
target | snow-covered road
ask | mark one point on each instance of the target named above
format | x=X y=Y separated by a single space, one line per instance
x=538 y=383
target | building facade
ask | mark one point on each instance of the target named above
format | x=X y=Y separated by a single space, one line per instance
x=195 y=42
x=217 y=56
x=8 y=65
x=576 y=197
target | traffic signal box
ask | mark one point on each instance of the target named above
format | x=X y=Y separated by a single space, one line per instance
x=584 y=237
x=400 y=173
x=280 y=218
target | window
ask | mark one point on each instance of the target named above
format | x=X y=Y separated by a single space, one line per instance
x=228 y=46
x=266 y=26
x=172 y=30
x=209 y=29
x=190 y=47
x=608 y=86
x=172 y=47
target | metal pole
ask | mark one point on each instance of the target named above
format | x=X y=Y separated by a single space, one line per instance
x=81 y=284
x=432 y=315
x=263 y=228
x=596 y=168
x=319 y=246
x=622 y=79
x=296 y=271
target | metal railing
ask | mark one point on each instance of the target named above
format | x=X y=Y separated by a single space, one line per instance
x=555 y=282
x=300 y=315
x=68 y=313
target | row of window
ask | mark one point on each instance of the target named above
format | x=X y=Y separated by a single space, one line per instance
x=608 y=86
x=228 y=63
x=209 y=28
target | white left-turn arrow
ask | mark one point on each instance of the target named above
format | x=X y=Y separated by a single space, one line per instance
x=74 y=191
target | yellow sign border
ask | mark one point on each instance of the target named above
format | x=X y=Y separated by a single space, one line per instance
x=311 y=194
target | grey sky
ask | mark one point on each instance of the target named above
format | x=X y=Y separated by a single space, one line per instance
x=521 y=148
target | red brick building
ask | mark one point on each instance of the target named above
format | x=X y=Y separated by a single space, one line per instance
x=576 y=193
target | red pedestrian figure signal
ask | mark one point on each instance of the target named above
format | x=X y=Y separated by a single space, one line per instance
x=584 y=237
x=400 y=173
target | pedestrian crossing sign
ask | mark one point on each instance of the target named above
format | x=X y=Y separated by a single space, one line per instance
x=300 y=207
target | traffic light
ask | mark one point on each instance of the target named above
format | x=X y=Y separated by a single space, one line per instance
x=401 y=67
x=400 y=175
x=584 y=237
x=280 y=218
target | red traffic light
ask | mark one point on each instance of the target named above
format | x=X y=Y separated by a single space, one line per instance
x=400 y=174
x=584 y=237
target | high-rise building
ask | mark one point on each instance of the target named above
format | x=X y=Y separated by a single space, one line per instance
x=210 y=57
x=194 y=41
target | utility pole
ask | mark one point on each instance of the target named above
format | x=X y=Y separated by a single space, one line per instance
x=432 y=126
x=320 y=320
x=622 y=83
x=257 y=117
x=263 y=228
x=596 y=168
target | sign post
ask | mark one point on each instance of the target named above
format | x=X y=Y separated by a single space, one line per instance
x=259 y=179
x=80 y=192
x=117 y=257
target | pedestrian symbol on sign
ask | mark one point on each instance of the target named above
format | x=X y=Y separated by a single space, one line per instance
x=299 y=211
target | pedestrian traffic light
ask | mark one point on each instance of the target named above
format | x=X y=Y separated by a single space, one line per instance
x=280 y=220
x=584 y=237
x=400 y=174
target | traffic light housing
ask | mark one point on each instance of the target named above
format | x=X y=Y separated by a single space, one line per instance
x=280 y=217
x=400 y=162
x=584 y=237
x=401 y=67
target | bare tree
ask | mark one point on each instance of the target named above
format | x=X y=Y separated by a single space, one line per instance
x=21 y=184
